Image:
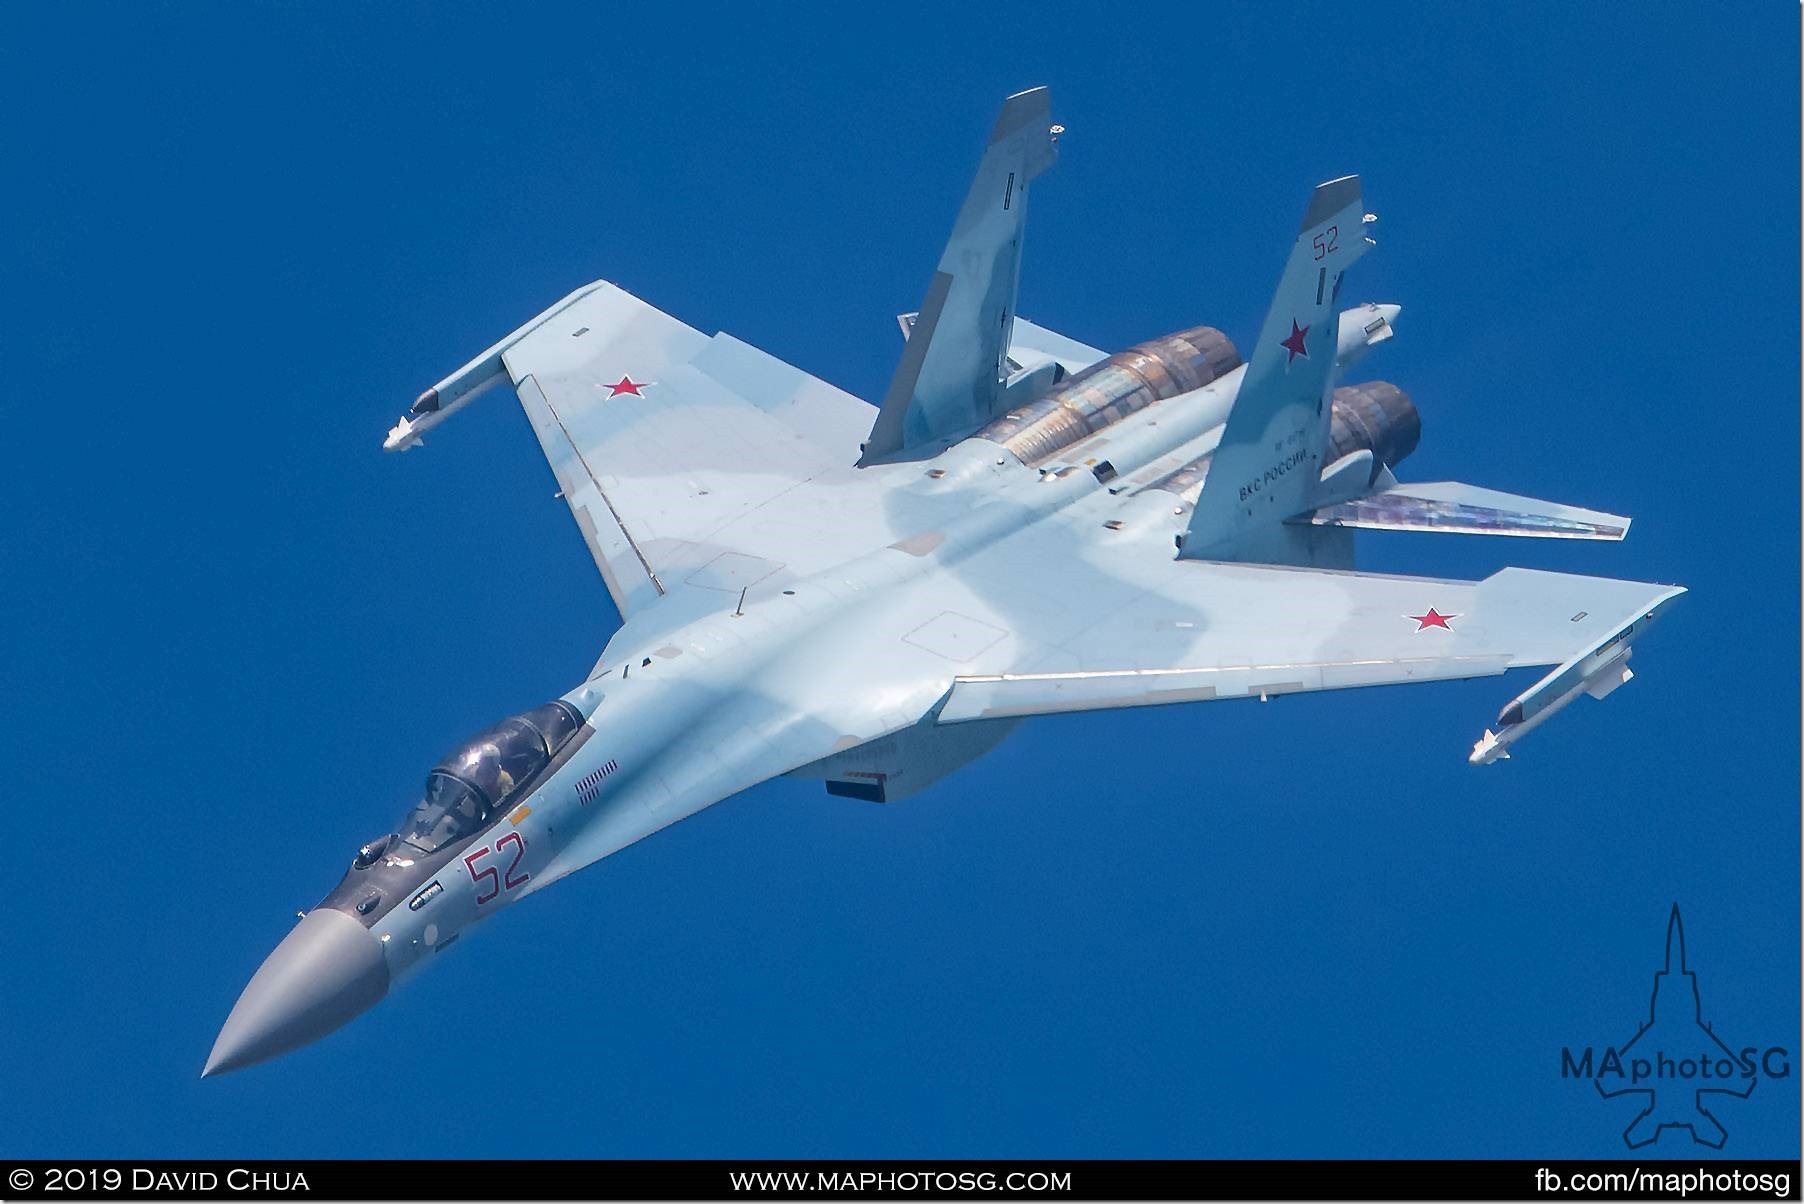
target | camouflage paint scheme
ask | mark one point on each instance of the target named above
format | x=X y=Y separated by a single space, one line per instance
x=874 y=596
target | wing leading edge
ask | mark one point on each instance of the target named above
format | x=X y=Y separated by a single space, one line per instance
x=685 y=458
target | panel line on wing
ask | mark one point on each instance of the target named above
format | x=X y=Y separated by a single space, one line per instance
x=632 y=543
x=1092 y=674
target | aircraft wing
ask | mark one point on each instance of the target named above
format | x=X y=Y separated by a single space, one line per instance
x=662 y=438
x=1188 y=631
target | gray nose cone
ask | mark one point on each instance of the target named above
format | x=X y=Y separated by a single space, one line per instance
x=326 y=971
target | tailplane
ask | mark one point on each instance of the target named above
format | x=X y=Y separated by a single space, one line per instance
x=1458 y=509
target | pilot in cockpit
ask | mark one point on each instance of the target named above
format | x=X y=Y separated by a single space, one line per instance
x=471 y=786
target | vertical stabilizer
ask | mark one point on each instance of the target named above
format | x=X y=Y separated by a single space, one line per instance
x=1272 y=451
x=954 y=366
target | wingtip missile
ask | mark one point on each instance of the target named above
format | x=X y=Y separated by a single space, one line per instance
x=1554 y=693
x=1488 y=749
x=1597 y=669
x=401 y=436
x=473 y=379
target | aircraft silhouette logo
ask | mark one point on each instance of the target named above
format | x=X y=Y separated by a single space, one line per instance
x=1679 y=1055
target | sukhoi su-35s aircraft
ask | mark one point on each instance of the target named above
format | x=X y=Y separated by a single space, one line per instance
x=874 y=597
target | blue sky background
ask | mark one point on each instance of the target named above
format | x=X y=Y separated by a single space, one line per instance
x=238 y=240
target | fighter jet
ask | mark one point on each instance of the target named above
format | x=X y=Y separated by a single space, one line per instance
x=872 y=597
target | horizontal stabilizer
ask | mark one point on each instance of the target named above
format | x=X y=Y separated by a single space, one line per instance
x=1033 y=344
x=1454 y=508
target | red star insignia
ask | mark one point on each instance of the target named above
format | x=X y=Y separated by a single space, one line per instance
x=1294 y=344
x=1433 y=618
x=627 y=384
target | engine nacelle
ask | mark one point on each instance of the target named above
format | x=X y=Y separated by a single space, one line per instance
x=1109 y=391
x=1376 y=416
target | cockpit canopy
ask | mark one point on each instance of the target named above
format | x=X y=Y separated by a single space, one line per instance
x=473 y=784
